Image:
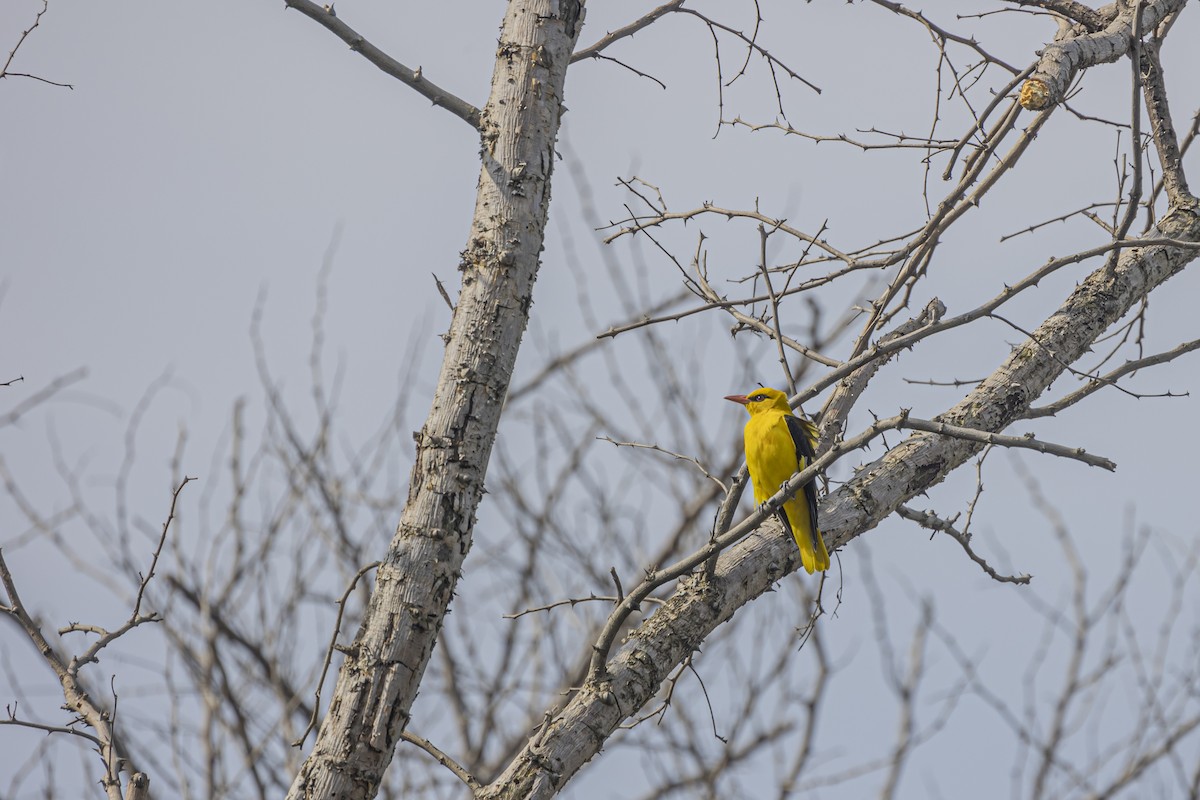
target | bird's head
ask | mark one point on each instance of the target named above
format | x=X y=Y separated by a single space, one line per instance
x=761 y=399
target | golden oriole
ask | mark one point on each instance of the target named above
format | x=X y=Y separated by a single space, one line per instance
x=778 y=445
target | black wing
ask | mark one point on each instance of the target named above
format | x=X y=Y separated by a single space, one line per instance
x=805 y=455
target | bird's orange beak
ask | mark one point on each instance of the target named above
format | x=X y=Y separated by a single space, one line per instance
x=737 y=398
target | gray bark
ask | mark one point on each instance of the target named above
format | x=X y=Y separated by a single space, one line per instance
x=751 y=567
x=379 y=678
x=1062 y=60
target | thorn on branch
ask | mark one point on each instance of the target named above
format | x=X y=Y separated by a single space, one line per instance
x=137 y=606
x=1027 y=441
x=617 y=580
x=442 y=291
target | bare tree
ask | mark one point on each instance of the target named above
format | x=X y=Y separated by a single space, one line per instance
x=618 y=613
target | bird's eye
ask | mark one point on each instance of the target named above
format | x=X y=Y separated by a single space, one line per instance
x=758 y=398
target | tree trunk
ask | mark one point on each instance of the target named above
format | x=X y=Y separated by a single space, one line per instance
x=379 y=678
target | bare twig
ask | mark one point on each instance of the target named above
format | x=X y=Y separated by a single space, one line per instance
x=41 y=395
x=850 y=388
x=1166 y=142
x=594 y=50
x=77 y=698
x=574 y=601
x=1135 y=188
x=930 y=521
x=1027 y=441
x=1095 y=383
x=325 y=16
x=12 y=719
x=446 y=761
x=1085 y=15
x=943 y=34
x=4 y=70
x=337 y=629
x=679 y=456
x=763 y=235
x=137 y=605
x=442 y=291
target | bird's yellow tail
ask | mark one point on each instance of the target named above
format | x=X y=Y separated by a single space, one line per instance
x=813 y=554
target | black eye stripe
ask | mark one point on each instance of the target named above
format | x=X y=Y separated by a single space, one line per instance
x=758 y=398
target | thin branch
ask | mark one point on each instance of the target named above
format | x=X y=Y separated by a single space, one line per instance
x=751 y=45
x=1135 y=189
x=40 y=726
x=1085 y=15
x=945 y=35
x=78 y=700
x=641 y=224
x=4 y=71
x=136 y=618
x=1110 y=379
x=574 y=601
x=763 y=235
x=930 y=521
x=137 y=606
x=442 y=291
x=446 y=761
x=664 y=451
x=593 y=50
x=337 y=629
x=557 y=363
x=42 y=395
x=1085 y=211
x=1027 y=441
x=327 y=17
x=1162 y=128
x=632 y=69
x=899 y=141
x=837 y=408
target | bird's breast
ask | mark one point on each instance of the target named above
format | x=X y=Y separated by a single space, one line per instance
x=770 y=451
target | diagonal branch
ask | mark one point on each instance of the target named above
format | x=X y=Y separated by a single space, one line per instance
x=460 y=772
x=1083 y=14
x=1027 y=441
x=42 y=395
x=834 y=413
x=4 y=70
x=1061 y=61
x=78 y=700
x=593 y=50
x=752 y=566
x=931 y=521
x=1166 y=142
x=327 y=17
x=1110 y=379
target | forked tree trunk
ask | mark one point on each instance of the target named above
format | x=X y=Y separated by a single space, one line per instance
x=382 y=670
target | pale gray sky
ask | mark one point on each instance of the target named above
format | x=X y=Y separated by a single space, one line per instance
x=208 y=153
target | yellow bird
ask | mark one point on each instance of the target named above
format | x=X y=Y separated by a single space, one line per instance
x=778 y=445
